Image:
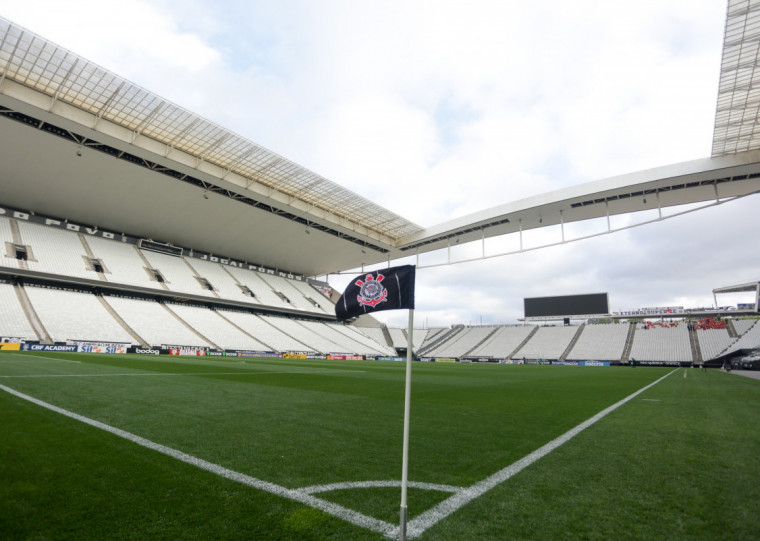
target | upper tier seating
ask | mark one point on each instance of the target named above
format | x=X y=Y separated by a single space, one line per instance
x=600 y=343
x=178 y=276
x=222 y=281
x=263 y=293
x=122 y=262
x=55 y=251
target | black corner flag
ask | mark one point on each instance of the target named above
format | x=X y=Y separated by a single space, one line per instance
x=385 y=289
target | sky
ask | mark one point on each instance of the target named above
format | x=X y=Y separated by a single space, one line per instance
x=436 y=109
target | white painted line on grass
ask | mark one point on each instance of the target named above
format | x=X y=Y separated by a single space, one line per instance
x=157 y=374
x=23 y=357
x=432 y=516
x=339 y=511
x=315 y=489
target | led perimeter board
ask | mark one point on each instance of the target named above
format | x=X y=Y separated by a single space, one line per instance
x=568 y=305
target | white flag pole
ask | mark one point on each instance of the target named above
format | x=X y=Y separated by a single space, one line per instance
x=407 y=400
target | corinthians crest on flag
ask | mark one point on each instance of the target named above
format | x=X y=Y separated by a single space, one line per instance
x=385 y=289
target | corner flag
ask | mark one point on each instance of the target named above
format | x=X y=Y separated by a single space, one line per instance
x=386 y=289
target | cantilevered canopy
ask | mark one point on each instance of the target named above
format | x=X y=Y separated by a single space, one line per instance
x=81 y=143
x=736 y=116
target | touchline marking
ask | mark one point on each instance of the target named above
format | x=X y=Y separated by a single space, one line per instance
x=43 y=358
x=163 y=374
x=432 y=516
x=339 y=511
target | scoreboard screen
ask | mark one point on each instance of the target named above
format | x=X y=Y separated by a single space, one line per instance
x=568 y=305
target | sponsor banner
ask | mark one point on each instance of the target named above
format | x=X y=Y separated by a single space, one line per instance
x=444 y=360
x=266 y=354
x=660 y=363
x=82 y=343
x=144 y=351
x=192 y=352
x=344 y=357
x=318 y=356
x=652 y=311
x=8 y=346
x=293 y=355
x=101 y=349
x=565 y=363
x=11 y=340
x=594 y=363
x=512 y=361
x=390 y=359
x=47 y=347
x=215 y=353
x=58 y=224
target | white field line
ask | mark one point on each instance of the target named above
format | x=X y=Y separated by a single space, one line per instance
x=339 y=511
x=415 y=527
x=432 y=516
x=21 y=360
x=315 y=489
x=169 y=374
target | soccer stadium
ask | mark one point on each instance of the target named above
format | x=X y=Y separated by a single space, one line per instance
x=172 y=367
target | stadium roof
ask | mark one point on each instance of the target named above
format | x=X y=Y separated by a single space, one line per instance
x=81 y=143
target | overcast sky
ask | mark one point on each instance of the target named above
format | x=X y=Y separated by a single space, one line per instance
x=435 y=109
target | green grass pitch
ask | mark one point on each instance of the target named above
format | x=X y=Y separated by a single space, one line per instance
x=679 y=461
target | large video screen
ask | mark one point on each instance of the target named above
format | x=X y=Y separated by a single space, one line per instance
x=568 y=305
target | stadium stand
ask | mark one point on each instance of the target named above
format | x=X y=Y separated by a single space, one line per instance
x=55 y=251
x=216 y=329
x=155 y=324
x=72 y=315
x=743 y=325
x=654 y=342
x=265 y=330
x=312 y=294
x=224 y=283
x=462 y=343
x=503 y=342
x=294 y=296
x=263 y=293
x=13 y=320
x=547 y=343
x=6 y=244
x=178 y=276
x=346 y=340
x=712 y=342
x=122 y=262
x=375 y=333
x=309 y=335
x=600 y=343
x=750 y=338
